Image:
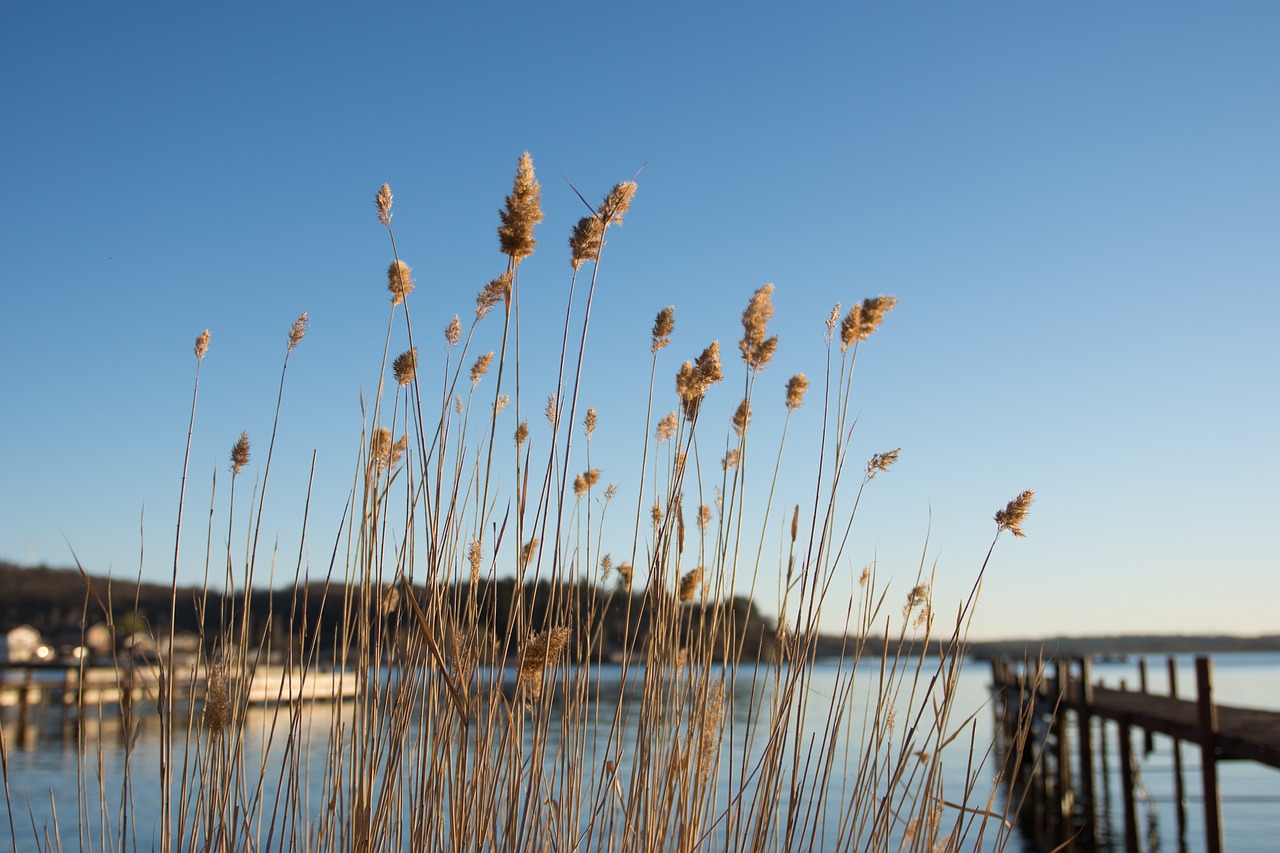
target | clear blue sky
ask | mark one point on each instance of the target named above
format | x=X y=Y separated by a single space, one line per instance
x=1077 y=205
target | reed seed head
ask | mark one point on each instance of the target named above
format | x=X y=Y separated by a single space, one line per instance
x=240 y=453
x=832 y=319
x=298 y=330
x=1011 y=517
x=474 y=555
x=704 y=518
x=405 y=366
x=662 y=326
x=742 y=417
x=522 y=433
x=383 y=202
x=383 y=453
x=758 y=350
x=527 y=552
x=880 y=462
x=202 y=344
x=864 y=319
x=579 y=486
x=865 y=577
x=497 y=290
x=453 y=331
x=796 y=386
x=709 y=740
x=589 y=422
x=541 y=652
x=522 y=212
x=625 y=573
x=480 y=368
x=617 y=203
x=399 y=281
x=606 y=567
x=689 y=584
x=795 y=523
x=217 y=699
x=917 y=597
x=694 y=378
x=610 y=492
x=501 y=403
x=667 y=426
x=731 y=459
x=586 y=241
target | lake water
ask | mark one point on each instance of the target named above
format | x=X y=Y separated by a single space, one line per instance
x=44 y=757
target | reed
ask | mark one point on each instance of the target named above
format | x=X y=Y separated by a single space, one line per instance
x=478 y=601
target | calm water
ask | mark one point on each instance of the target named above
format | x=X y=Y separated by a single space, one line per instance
x=45 y=758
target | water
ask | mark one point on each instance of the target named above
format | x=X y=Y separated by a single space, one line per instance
x=45 y=758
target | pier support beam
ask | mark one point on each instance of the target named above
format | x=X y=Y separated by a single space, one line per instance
x=1207 y=714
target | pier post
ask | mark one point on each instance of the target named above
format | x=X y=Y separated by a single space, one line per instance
x=1062 y=754
x=1126 y=786
x=1207 y=714
x=1084 y=726
x=1148 y=742
x=1179 y=794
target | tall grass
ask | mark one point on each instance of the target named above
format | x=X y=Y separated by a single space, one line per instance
x=480 y=603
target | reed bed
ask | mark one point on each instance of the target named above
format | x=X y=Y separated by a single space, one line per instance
x=479 y=604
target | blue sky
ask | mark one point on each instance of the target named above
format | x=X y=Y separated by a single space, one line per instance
x=1077 y=207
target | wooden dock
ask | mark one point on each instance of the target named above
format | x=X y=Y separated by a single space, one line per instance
x=1062 y=803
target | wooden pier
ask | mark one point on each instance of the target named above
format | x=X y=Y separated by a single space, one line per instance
x=1037 y=703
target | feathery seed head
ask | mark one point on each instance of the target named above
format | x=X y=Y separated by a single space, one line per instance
x=399 y=281
x=667 y=426
x=522 y=212
x=606 y=566
x=405 y=366
x=298 y=330
x=579 y=486
x=742 y=417
x=880 y=462
x=662 y=326
x=586 y=241
x=453 y=331
x=864 y=319
x=480 y=368
x=625 y=573
x=757 y=350
x=474 y=555
x=240 y=453
x=540 y=652
x=522 y=433
x=796 y=386
x=865 y=576
x=497 y=290
x=709 y=740
x=501 y=403
x=704 y=516
x=731 y=459
x=832 y=319
x=202 y=344
x=1011 y=517
x=689 y=585
x=589 y=422
x=527 y=552
x=610 y=492
x=217 y=699
x=383 y=202
x=655 y=513
x=552 y=410
x=617 y=203
x=593 y=476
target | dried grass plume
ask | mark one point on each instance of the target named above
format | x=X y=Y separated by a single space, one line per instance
x=1011 y=517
